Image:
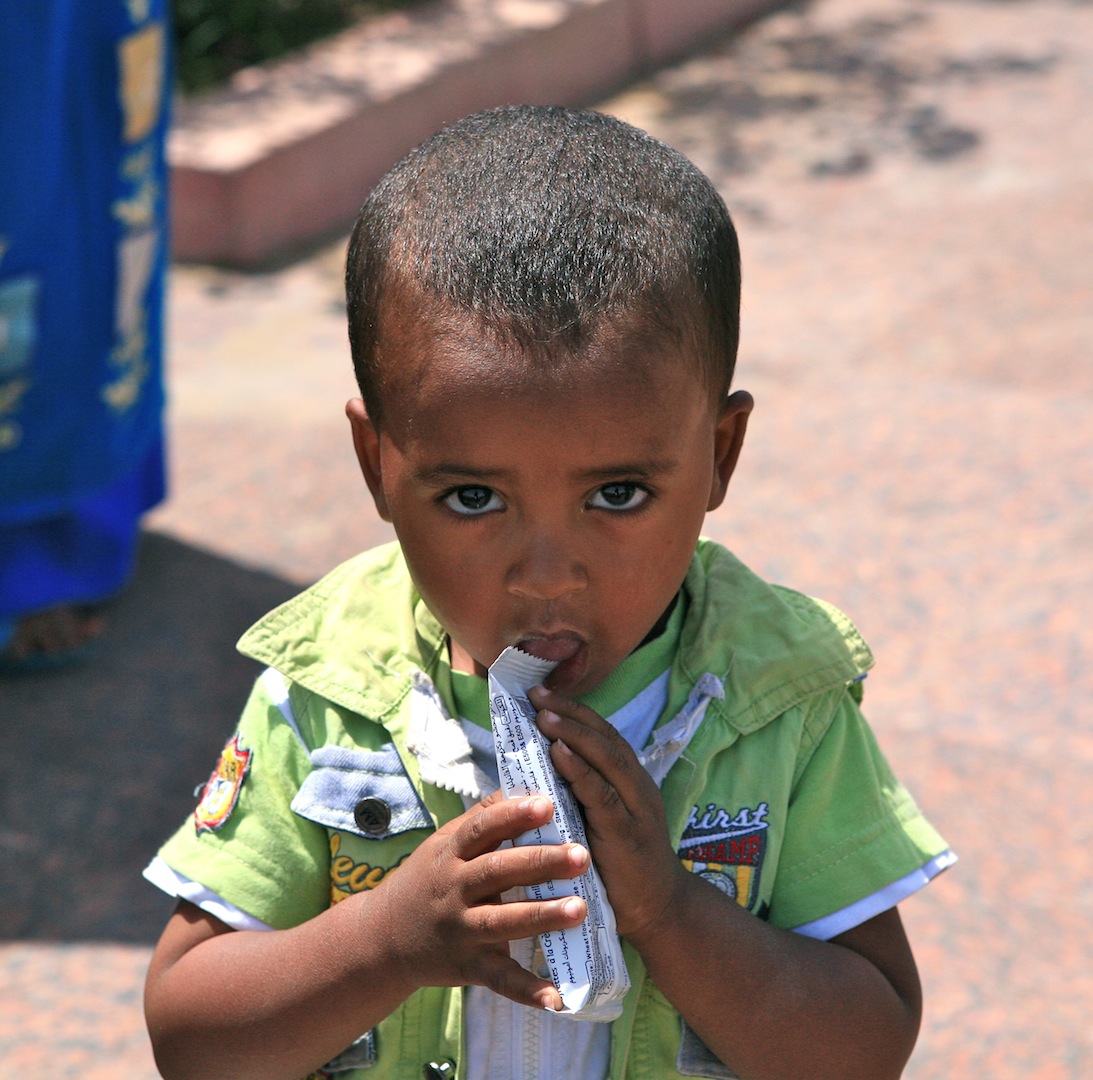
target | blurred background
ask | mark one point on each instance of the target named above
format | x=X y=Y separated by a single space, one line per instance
x=913 y=187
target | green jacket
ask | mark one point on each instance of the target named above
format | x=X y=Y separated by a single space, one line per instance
x=782 y=798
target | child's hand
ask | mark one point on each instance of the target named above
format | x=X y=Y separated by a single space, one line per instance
x=623 y=810
x=443 y=912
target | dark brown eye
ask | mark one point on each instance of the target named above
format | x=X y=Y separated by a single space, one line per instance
x=472 y=500
x=620 y=496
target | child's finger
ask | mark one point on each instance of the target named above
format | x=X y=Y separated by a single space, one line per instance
x=584 y=715
x=507 y=978
x=484 y=827
x=517 y=919
x=596 y=742
x=583 y=728
x=592 y=790
x=497 y=871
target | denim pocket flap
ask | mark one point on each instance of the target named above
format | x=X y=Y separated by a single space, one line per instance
x=366 y=792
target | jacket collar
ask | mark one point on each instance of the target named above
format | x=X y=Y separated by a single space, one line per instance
x=355 y=638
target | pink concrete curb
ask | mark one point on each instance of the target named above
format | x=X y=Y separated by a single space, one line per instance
x=286 y=153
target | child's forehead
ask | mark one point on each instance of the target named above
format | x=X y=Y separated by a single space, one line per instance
x=429 y=350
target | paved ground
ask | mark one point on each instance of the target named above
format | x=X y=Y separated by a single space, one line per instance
x=914 y=190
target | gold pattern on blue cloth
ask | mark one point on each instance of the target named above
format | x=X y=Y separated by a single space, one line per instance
x=141 y=70
x=141 y=63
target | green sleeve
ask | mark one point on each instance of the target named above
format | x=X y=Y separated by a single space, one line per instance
x=851 y=827
x=262 y=857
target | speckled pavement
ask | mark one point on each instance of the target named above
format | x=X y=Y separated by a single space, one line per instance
x=914 y=190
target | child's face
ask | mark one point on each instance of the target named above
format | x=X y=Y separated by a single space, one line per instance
x=560 y=519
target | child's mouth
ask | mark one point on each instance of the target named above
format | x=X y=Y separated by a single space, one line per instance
x=558 y=649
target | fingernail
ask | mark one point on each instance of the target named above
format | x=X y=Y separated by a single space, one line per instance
x=536 y=804
x=572 y=908
x=578 y=855
x=547 y=717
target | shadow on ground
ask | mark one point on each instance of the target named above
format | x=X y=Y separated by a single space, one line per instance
x=98 y=763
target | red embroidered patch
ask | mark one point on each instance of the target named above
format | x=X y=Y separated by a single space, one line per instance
x=221 y=793
x=727 y=850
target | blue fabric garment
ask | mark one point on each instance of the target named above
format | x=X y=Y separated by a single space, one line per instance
x=84 y=103
x=81 y=556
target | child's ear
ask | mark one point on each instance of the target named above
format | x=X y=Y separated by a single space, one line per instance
x=366 y=441
x=728 y=439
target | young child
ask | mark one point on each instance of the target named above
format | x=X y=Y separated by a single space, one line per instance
x=543 y=311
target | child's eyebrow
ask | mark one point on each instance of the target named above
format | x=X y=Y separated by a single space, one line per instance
x=446 y=472
x=632 y=470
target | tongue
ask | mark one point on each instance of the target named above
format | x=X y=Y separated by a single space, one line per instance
x=557 y=649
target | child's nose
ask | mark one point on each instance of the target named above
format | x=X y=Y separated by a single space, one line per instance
x=546 y=569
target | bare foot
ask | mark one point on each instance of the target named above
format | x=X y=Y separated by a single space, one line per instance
x=53 y=632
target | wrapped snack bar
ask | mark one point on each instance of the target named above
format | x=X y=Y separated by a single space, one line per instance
x=585 y=962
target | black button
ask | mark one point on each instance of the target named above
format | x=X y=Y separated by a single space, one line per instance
x=372 y=816
x=439 y=1070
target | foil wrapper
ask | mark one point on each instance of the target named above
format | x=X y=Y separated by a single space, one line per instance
x=585 y=962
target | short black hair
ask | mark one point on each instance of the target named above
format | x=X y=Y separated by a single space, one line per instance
x=545 y=223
